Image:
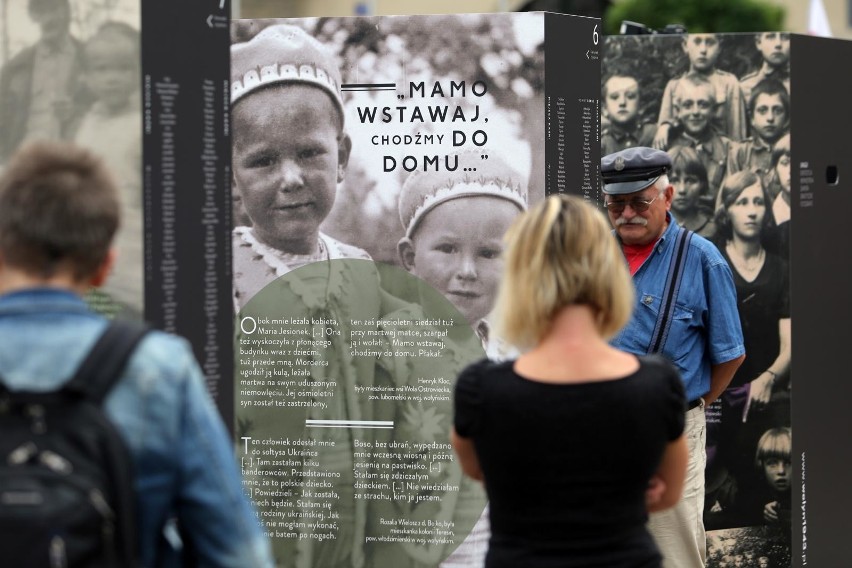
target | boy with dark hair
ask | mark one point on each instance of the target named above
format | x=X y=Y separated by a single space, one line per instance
x=624 y=129
x=774 y=48
x=769 y=113
x=692 y=202
x=59 y=211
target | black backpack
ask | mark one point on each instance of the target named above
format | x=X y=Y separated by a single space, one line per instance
x=66 y=483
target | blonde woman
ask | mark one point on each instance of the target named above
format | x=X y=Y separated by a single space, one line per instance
x=568 y=436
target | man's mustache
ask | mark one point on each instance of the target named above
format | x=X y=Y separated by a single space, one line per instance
x=634 y=221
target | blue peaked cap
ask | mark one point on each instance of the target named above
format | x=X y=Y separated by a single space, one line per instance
x=633 y=169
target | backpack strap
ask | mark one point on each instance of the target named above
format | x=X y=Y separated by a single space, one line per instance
x=664 y=317
x=104 y=364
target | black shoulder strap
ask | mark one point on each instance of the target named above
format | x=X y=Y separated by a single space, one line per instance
x=664 y=317
x=103 y=365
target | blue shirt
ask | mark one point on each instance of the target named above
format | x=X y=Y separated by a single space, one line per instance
x=182 y=456
x=705 y=328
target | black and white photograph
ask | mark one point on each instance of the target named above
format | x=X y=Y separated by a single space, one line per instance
x=377 y=164
x=70 y=70
x=719 y=105
x=413 y=91
x=371 y=139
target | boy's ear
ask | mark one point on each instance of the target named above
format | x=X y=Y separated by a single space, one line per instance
x=405 y=249
x=344 y=147
x=100 y=276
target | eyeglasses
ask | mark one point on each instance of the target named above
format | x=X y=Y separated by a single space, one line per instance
x=638 y=205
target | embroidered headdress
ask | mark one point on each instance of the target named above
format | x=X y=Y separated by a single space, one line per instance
x=478 y=174
x=283 y=54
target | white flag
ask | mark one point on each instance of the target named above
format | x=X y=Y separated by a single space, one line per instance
x=817 y=20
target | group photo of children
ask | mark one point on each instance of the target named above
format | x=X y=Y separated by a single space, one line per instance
x=70 y=70
x=719 y=105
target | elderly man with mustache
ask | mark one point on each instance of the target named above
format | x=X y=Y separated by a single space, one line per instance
x=686 y=309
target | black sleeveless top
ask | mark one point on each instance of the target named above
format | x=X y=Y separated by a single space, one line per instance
x=566 y=465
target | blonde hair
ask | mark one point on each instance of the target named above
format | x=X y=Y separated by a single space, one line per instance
x=559 y=253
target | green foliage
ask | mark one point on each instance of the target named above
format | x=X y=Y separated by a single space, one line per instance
x=698 y=15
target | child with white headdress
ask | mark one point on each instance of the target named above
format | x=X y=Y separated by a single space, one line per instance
x=290 y=150
x=454 y=224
